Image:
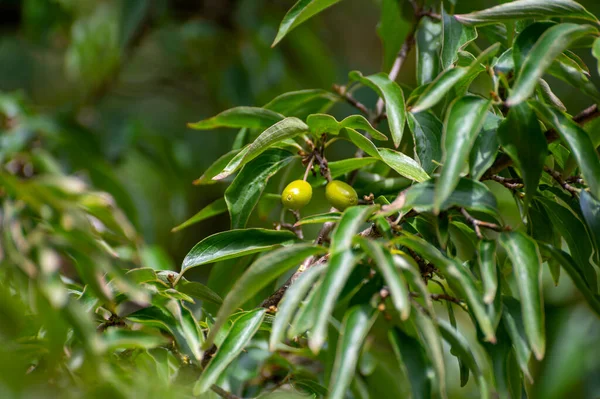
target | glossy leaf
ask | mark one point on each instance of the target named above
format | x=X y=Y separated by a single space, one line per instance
x=412 y=361
x=527 y=269
x=590 y=208
x=596 y=52
x=463 y=122
x=428 y=43
x=393 y=97
x=250 y=117
x=290 y=303
x=522 y=138
x=319 y=218
x=427 y=132
x=392 y=275
x=568 y=70
x=513 y=320
x=455 y=37
x=341 y=263
x=199 y=291
x=301 y=103
x=485 y=147
x=285 y=129
x=431 y=340
x=553 y=42
x=300 y=12
x=437 y=89
x=525 y=9
x=118 y=338
x=213 y=209
x=355 y=327
x=486 y=257
x=215 y=168
x=235 y=243
x=323 y=123
x=247 y=187
x=577 y=140
x=392 y=30
x=259 y=275
x=239 y=335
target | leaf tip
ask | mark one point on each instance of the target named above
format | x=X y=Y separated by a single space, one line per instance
x=220 y=176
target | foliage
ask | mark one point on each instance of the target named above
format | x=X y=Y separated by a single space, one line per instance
x=480 y=184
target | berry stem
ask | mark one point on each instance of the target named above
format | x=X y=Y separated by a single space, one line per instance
x=308 y=167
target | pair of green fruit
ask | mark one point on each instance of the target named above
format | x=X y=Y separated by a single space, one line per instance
x=298 y=194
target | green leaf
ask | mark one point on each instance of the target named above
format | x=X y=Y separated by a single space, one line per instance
x=527 y=9
x=590 y=208
x=486 y=257
x=359 y=122
x=197 y=290
x=319 y=218
x=462 y=347
x=215 y=169
x=577 y=140
x=355 y=327
x=427 y=132
x=428 y=43
x=392 y=30
x=285 y=129
x=469 y=194
x=250 y=117
x=305 y=317
x=526 y=41
x=463 y=122
x=392 y=275
x=483 y=153
x=290 y=303
x=596 y=52
x=572 y=269
x=323 y=123
x=412 y=361
x=213 y=209
x=393 y=97
x=573 y=231
x=459 y=278
x=513 y=323
x=432 y=342
x=455 y=37
x=526 y=261
x=233 y=244
x=553 y=42
x=401 y=163
x=341 y=263
x=259 y=275
x=523 y=140
x=302 y=102
x=247 y=187
x=568 y=70
x=437 y=89
x=238 y=337
x=300 y=12
x=118 y=338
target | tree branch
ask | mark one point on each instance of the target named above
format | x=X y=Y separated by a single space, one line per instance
x=477 y=224
x=563 y=183
x=223 y=393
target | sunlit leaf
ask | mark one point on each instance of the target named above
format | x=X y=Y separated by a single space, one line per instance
x=250 y=117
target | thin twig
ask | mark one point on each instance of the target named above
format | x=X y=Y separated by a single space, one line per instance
x=477 y=224
x=575 y=179
x=510 y=183
x=343 y=93
x=557 y=176
x=308 y=168
x=223 y=393
x=440 y=297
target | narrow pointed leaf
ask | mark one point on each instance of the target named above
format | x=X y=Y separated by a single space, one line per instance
x=527 y=9
x=553 y=41
x=394 y=101
x=324 y=123
x=247 y=187
x=512 y=318
x=300 y=12
x=486 y=257
x=432 y=342
x=341 y=263
x=567 y=70
x=577 y=140
x=260 y=274
x=464 y=121
x=590 y=208
x=199 y=291
x=485 y=148
x=437 y=89
x=427 y=132
x=319 y=218
x=235 y=243
x=290 y=303
x=285 y=129
x=412 y=360
x=215 y=169
x=392 y=30
x=524 y=255
x=300 y=103
x=238 y=337
x=355 y=327
x=392 y=275
x=428 y=42
x=523 y=140
x=213 y=209
x=455 y=37
x=250 y=117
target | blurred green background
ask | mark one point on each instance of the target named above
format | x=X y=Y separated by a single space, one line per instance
x=120 y=79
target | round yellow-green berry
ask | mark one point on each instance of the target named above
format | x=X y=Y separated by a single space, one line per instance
x=296 y=195
x=340 y=194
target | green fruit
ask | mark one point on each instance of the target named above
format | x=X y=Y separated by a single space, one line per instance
x=296 y=195
x=340 y=195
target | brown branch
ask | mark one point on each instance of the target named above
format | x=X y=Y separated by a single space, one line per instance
x=223 y=393
x=477 y=224
x=566 y=186
x=341 y=91
x=513 y=184
x=440 y=297
x=504 y=161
